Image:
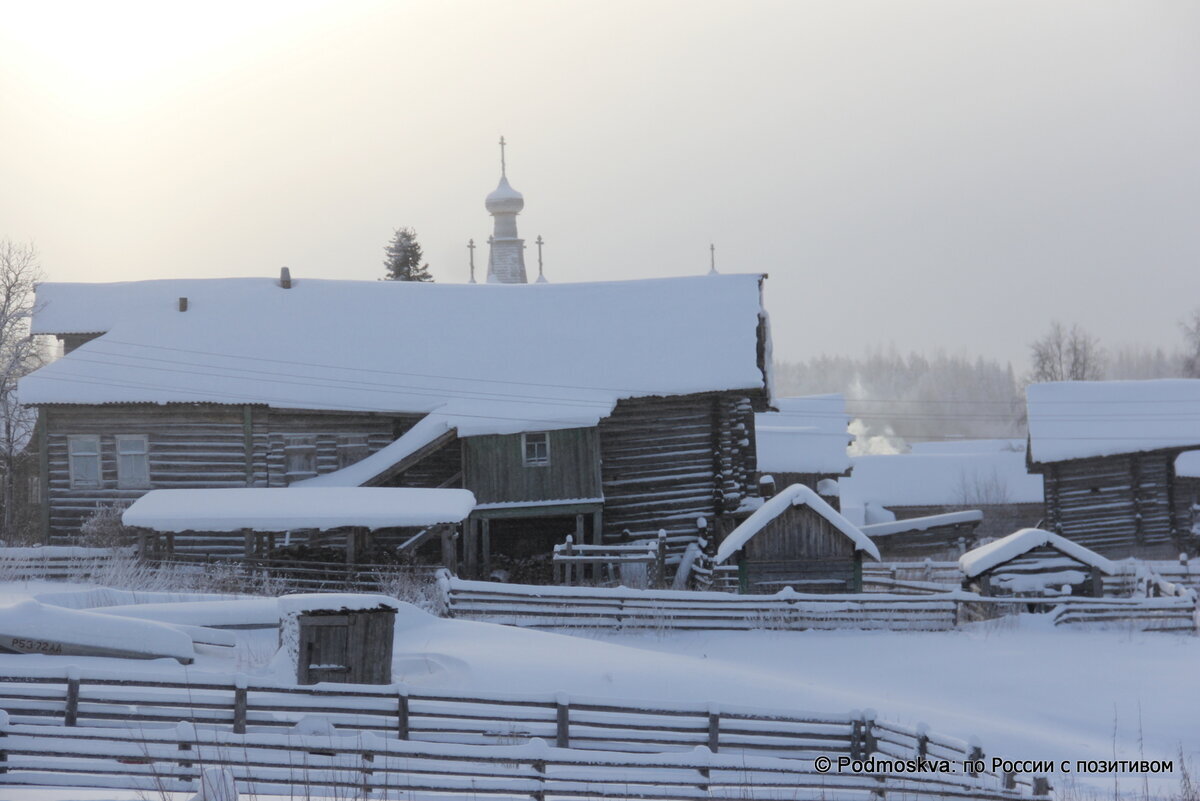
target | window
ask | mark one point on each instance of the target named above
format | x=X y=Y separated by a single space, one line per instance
x=536 y=448
x=83 y=457
x=300 y=456
x=351 y=448
x=133 y=461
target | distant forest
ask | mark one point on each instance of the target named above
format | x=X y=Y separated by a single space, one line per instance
x=897 y=398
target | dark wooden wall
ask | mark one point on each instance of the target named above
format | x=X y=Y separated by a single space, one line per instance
x=1116 y=505
x=353 y=647
x=667 y=461
x=1038 y=561
x=803 y=550
x=493 y=468
x=190 y=445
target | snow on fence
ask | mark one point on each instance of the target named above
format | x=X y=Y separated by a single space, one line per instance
x=626 y=609
x=171 y=759
x=283 y=575
x=56 y=562
x=71 y=701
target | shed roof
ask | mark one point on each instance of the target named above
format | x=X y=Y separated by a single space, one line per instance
x=985 y=557
x=1082 y=419
x=795 y=495
x=807 y=435
x=537 y=356
x=291 y=508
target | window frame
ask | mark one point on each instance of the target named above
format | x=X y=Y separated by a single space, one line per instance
x=537 y=460
x=126 y=482
x=293 y=443
x=348 y=444
x=72 y=455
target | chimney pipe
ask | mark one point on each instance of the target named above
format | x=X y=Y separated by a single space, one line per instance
x=183 y=304
x=285 y=278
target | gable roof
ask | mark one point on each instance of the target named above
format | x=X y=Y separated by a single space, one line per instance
x=807 y=435
x=985 y=557
x=795 y=495
x=543 y=355
x=1082 y=419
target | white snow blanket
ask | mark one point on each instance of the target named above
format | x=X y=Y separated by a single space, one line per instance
x=1004 y=549
x=36 y=628
x=807 y=435
x=941 y=478
x=1080 y=419
x=401 y=346
x=1187 y=465
x=795 y=495
x=289 y=509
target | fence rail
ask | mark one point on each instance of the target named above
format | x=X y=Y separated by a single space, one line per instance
x=68 y=702
x=171 y=758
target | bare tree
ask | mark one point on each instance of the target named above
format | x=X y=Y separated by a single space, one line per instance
x=19 y=354
x=1063 y=355
x=1191 y=338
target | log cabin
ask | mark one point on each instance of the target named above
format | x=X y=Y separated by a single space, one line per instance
x=1108 y=453
x=605 y=410
x=797 y=540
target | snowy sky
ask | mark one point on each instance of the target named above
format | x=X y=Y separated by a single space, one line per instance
x=928 y=174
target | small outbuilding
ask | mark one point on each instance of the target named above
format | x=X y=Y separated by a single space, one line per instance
x=797 y=540
x=344 y=638
x=1034 y=562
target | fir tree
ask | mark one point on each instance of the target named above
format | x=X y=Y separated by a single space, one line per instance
x=403 y=258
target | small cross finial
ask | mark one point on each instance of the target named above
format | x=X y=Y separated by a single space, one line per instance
x=471 y=250
x=503 y=166
x=712 y=259
x=541 y=275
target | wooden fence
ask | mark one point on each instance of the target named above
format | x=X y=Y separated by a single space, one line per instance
x=57 y=562
x=64 y=702
x=171 y=759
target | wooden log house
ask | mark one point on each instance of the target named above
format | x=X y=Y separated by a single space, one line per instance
x=612 y=410
x=1107 y=452
x=797 y=540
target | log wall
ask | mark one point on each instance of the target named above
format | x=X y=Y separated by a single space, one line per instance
x=667 y=461
x=802 y=550
x=190 y=445
x=1116 y=505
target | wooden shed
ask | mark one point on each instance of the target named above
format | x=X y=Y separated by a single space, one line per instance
x=1034 y=562
x=1108 y=452
x=339 y=637
x=797 y=540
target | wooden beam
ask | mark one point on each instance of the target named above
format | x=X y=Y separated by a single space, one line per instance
x=412 y=459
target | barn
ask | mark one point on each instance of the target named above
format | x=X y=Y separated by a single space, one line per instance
x=1109 y=453
x=797 y=540
x=1034 y=562
x=607 y=410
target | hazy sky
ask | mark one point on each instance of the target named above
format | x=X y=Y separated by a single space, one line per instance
x=925 y=174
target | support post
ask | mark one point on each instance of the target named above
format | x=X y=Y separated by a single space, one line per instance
x=714 y=730
x=975 y=755
x=578 y=576
x=402 y=715
x=3 y=734
x=485 y=542
x=660 y=559
x=1041 y=786
x=71 y=715
x=563 y=727
x=471 y=548
x=239 y=705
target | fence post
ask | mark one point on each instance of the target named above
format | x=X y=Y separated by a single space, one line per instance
x=71 y=715
x=705 y=771
x=714 y=728
x=870 y=743
x=402 y=714
x=1010 y=780
x=975 y=755
x=563 y=729
x=856 y=737
x=239 y=704
x=922 y=742
x=660 y=559
x=186 y=734
x=3 y=734
x=1041 y=786
x=539 y=767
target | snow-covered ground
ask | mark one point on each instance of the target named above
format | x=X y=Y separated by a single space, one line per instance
x=1026 y=691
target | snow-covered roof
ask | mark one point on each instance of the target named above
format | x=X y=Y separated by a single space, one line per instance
x=532 y=356
x=807 y=435
x=925 y=523
x=985 y=557
x=290 y=508
x=795 y=495
x=1081 y=419
x=1187 y=464
x=969 y=477
x=334 y=602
